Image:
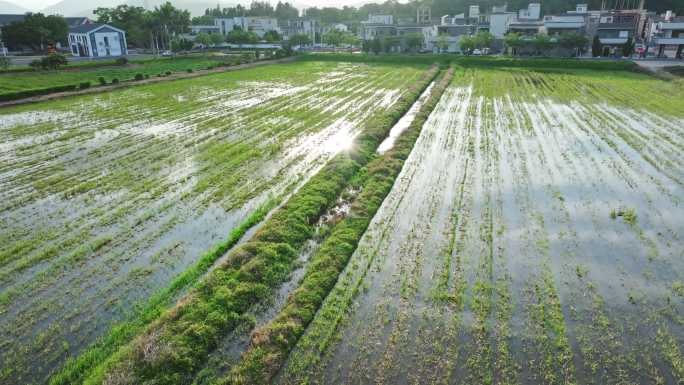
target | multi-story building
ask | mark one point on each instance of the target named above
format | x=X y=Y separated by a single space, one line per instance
x=667 y=35
x=499 y=20
x=528 y=22
x=258 y=25
x=301 y=26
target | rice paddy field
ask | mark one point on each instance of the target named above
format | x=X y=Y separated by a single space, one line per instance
x=107 y=198
x=338 y=221
x=533 y=237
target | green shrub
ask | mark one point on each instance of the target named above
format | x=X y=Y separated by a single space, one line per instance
x=35 y=92
x=84 y=85
x=168 y=73
x=189 y=70
x=102 y=81
x=147 y=76
x=4 y=62
x=139 y=77
x=121 y=61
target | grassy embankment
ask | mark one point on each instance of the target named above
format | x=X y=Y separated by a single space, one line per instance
x=16 y=85
x=182 y=337
x=271 y=345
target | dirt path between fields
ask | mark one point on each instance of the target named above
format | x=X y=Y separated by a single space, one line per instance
x=131 y=83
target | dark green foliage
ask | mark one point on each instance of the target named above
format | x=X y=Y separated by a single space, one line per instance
x=115 y=81
x=628 y=48
x=189 y=70
x=168 y=73
x=596 y=47
x=49 y=62
x=184 y=335
x=121 y=61
x=139 y=77
x=270 y=345
x=37 y=92
x=102 y=80
x=84 y=85
x=35 y=31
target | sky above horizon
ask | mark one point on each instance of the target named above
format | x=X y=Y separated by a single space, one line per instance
x=37 y=5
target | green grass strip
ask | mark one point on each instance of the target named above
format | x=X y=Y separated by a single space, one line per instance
x=481 y=61
x=271 y=344
x=177 y=344
x=74 y=370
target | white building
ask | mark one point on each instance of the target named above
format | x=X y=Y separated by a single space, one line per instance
x=97 y=40
x=258 y=25
x=499 y=21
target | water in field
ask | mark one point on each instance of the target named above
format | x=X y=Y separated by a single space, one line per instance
x=106 y=198
x=533 y=237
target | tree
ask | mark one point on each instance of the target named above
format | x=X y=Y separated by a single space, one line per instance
x=49 y=62
x=573 y=41
x=203 y=38
x=376 y=46
x=238 y=36
x=542 y=43
x=414 y=41
x=286 y=11
x=515 y=41
x=216 y=39
x=628 y=48
x=596 y=47
x=483 y=39
x=443 y=42
x=178 y=45
x=202 y=20
x=300 y=39
x=133 y=20
x=467 y=44
x=36 y=31
x=388 y=43
x=272 y=36
x=165 y=22
x=4 y=62
x=333 y=38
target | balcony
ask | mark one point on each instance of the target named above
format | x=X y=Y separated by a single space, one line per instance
x=562 y=25
x=669 y=40
x=671 y=26
x=613 y=40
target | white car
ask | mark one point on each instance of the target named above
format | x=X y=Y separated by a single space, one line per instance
x=477 y=52
x=167 y=53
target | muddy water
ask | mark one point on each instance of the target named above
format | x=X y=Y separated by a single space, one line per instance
x=495 y=258
x=106 y=198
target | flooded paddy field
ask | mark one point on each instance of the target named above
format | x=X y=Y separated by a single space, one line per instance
x=534 y=236
x=105 y=199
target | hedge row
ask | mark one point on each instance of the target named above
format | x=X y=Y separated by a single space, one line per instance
x=480 y=61
x=176 y=345
x=36 y=92
x=271 y=344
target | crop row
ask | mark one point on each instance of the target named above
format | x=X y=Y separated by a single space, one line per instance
x=173 y=346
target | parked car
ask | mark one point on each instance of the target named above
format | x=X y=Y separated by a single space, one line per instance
x=167 y=53
x=477 y=52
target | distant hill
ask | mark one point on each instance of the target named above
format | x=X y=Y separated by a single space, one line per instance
x=82 y=8
x=10 y=8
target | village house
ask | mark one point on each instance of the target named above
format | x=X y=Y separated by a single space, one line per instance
x=97 y=40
